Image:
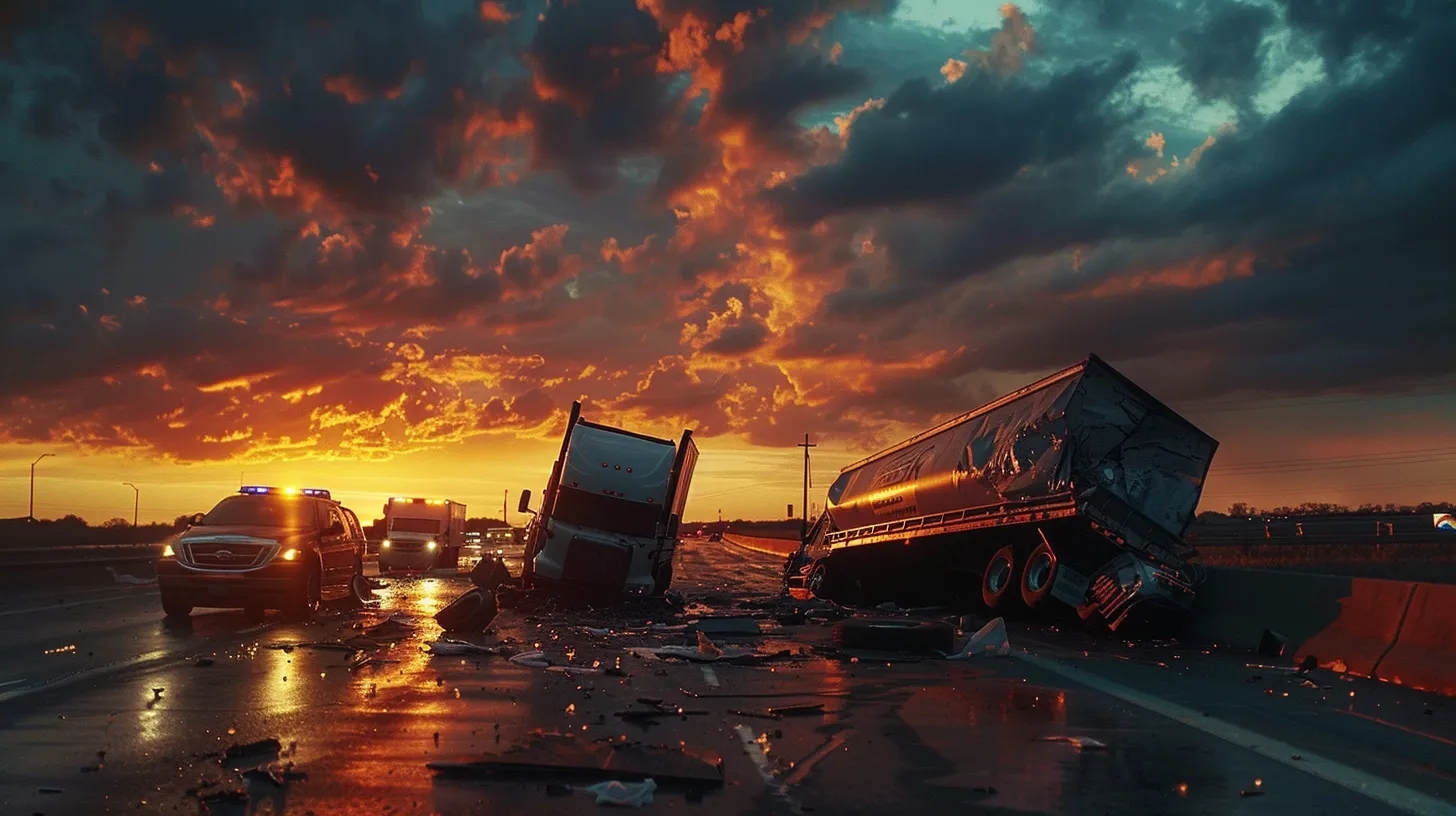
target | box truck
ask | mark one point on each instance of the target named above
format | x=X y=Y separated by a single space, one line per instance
x=422 y=534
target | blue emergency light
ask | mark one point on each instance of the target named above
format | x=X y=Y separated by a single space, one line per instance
x=260 y=490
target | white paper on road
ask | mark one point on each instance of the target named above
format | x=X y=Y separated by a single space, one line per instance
x=623 y=794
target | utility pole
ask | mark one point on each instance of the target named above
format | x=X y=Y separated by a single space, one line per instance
x=31 y=514
x=136 y=501
x=506 y=508
x=804 y=508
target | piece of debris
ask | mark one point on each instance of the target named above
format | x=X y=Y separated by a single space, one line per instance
x=362 y=589
x=51 y=790
x=989 y=640
x=634 y=794
x=1082 y=743
x=569 y=759
x=1271 y=644
x=559 y=789
x=129 y=580
x=898 y=635
x=450 y=646
x=801 y=710
x=726 y=625
x=203 y=662
x=755 y=714
x=471 y=612
x=157 y=693
x=234 y=755
x=1247 y=793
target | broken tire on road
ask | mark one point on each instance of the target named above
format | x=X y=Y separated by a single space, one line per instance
x=894 y=635
x=471 y=612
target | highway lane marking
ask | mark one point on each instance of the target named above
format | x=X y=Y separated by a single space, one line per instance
x=54 y=607
x=709 y=676
x=110 y=668
x=1381 y=790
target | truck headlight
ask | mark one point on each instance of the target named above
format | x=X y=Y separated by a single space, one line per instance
x=168 y=551
x=384 y=545
x=290 y=554
x=430 y=545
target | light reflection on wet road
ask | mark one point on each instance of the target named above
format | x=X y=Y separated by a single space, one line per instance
x=916 y=737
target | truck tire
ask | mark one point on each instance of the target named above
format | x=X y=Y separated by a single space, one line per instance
x=662 y=579
x=1038 y=575
x=175 y=607
x=895 y=635
x=1001 y=578
x=471 y=612
x=306 y=597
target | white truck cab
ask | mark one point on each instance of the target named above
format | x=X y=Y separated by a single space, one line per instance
x=610 y=514
x=422 y=534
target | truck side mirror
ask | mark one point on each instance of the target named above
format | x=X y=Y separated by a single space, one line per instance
x=525 y=503
x=672 y=524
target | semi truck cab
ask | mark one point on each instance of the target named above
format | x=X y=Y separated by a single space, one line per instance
x=610 y=514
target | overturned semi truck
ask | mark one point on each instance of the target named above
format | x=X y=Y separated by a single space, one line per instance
x=1075 y=490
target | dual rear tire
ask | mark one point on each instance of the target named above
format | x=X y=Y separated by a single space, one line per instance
x=1019 y=578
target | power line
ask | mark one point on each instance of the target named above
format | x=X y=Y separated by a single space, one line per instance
x=1236 y=405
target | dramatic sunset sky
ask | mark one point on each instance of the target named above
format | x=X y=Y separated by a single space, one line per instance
x=381 y=246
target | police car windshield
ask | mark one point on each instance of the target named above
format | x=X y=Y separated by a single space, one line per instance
x=263 y=511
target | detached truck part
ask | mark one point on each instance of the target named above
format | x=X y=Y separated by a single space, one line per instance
x=1075 y=490
x=609 y=517
x=422 y=534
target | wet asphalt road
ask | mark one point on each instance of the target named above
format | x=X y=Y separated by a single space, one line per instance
x=1186 y=730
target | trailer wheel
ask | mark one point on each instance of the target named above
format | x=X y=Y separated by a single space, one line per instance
x=1038 y=575
x=1002 y=575
x=818 y=580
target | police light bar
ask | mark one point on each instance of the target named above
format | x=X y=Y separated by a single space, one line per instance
x=261 y=490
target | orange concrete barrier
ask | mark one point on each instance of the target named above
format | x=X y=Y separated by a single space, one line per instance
x=1349 y=622
x=1424 y=654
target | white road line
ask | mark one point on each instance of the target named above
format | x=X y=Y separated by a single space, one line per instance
x=56 y=607
x=709 y=676
x=1351 y=779
x=110 y=668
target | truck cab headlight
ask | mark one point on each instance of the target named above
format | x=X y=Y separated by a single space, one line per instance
x=430 y=545
x=384 y=544
x=168 y=551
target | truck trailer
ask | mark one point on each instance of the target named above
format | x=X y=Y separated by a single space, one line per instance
x=1076 y=490
x=609 y=517
x=422 y=534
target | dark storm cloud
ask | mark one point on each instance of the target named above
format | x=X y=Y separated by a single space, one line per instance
x=7 y=96
x=1221 y=54
x=1340 y=30
x=930 y=144
x=596 y=65
x=1337 y=202
x=768 y=96
x=742 y=338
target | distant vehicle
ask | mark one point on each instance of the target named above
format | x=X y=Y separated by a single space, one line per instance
x=421 y=534
x=715 y=536
x=610 y=514
x=263 y=548
x=1076 y=490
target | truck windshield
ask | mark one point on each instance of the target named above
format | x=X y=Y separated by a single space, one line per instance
x=599 y=512
x=263 y=511
x=415 y=525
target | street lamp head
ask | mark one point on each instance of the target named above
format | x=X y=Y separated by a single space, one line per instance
x=42 y=456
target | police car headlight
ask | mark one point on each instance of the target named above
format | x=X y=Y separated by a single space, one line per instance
x=168 y=551
x=290 y=554
x=384 y=544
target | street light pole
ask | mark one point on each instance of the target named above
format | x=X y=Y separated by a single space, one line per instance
x=137 y=502
x=804 y=508
x=31 y=515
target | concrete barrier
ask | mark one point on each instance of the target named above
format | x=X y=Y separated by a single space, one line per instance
x=1339 y=620
x=1424 y=653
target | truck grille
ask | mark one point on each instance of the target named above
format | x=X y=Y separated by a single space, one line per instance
x=228 y=555
x=596 y=563
x=407 y=546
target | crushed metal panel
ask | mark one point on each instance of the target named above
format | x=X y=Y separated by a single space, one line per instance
x=1130 y=445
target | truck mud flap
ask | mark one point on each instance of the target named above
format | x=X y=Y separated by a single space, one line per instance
x=1070 y=586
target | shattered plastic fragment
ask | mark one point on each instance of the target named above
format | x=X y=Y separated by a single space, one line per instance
x=989 y=640
x=1082 y=743
x=623 y=794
